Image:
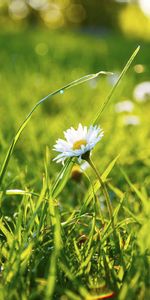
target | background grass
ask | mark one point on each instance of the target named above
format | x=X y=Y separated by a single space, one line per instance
x=77 y=261
x=27 y=76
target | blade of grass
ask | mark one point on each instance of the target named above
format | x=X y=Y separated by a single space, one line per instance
x=133 y=187
x=115 y=214
x=120 y=194
x=89 y=195
x=116 y=85
x=62 y=178
x=52 y=274
x=7 y=234
x=74 y=279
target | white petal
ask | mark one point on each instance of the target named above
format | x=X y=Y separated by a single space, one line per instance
x=92 y=135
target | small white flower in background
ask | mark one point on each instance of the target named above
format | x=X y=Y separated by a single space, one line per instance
x=132 y=120
x=77 y=142
x=142 y=91
x=124 y=106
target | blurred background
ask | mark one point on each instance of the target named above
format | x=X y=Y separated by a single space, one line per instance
x=131 y=17
x=45 y=44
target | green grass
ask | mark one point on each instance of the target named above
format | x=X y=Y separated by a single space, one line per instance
x=53 y=241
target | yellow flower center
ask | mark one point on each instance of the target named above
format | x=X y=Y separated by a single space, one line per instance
x=77 y=145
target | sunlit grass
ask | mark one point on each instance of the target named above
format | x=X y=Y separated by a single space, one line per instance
x=56 y=238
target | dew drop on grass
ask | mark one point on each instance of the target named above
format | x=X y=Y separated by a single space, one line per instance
x=62 y=92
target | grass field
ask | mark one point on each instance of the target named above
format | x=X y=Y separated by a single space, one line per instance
x=57 y=240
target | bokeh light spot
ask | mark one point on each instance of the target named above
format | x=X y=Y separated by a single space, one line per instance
x=41 y=49
x=76 y=13
x=18 y=9
x=53 y=17
x=145 y=6
x=139 y=68
x=38 y=4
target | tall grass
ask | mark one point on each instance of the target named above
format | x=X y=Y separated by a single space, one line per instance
x=53 y=251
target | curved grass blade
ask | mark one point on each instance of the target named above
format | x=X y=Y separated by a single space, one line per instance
x=9 y=236
x=25 y=122
x=116 y=85
x=120 y=194
x=15 y=192
x=133 y=187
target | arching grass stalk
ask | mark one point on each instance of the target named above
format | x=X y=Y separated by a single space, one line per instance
x=61 y=90
x=25 y=122
x=125 y=69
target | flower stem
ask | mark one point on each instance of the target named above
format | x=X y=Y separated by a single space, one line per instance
x=104 y=189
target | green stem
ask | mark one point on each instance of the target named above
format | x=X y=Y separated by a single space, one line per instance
x=103 y=187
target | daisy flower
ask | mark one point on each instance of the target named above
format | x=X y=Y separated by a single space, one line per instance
x=77 y=142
